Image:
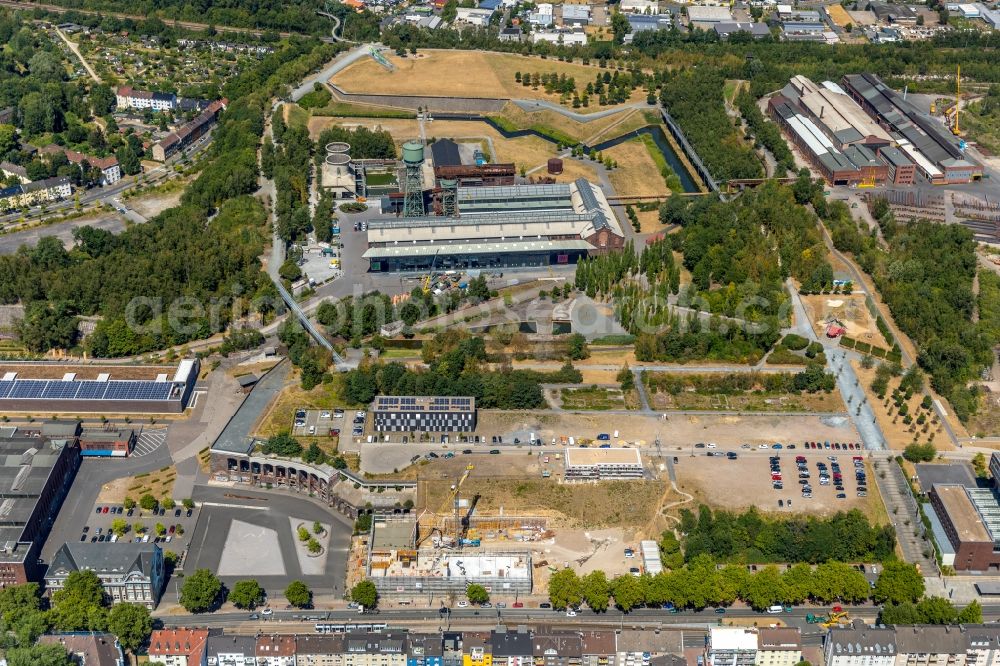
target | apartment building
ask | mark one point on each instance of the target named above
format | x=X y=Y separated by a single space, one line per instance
x=426 y=650
x=778 y=646
x=128 y=98
x=276 y=650
x=321 y=650
x=231 y=651
x=512 y=648
x=388 y=649
x=731 y=646
x=179 y=647
x=110 y=170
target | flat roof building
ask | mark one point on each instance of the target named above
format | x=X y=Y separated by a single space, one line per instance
x=586 y=464
x=707 y=14
x=970 y=518
x=424 y=413
x=731 y=646
x=58 y=387
x=504 y=226
x=35 y=474
x=726 y=29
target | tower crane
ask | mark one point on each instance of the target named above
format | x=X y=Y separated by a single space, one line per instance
x=958 y=99
x=449 y=501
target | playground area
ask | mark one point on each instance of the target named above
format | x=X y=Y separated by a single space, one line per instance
x=849 y=312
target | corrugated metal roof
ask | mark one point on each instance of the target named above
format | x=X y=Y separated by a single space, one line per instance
x=475 y=248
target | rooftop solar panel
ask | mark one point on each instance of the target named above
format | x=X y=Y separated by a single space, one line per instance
x=5 y=388
x=91 y=390
x=28 y=388
x=61 y=390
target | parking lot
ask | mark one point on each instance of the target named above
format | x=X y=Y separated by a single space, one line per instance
x=318 y=422
x=177 y=523
x=799 y=481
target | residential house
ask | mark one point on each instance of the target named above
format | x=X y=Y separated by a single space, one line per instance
x=319 y=650
x=778 y=646
x=129 y=572
x=179 y=647
x=276 y=650
x=88 y=649
x=232 y=651
x=543 y=15
x=14 y=171
x=110 y=170
x=512 y=648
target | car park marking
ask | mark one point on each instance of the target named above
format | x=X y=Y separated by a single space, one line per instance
x=149 y=441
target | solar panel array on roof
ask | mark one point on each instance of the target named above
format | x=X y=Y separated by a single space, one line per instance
x=41 y=389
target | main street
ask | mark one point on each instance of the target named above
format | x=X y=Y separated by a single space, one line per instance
x=433 y=618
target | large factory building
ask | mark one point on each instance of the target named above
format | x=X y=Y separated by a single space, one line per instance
x=491 y=227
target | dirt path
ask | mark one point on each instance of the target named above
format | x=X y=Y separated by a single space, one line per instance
x=76 y=51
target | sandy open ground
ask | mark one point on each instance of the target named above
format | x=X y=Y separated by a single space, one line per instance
x=745 y=482
x=636 y=173
x=897 y=434
x=850 y=310
x=459 y=74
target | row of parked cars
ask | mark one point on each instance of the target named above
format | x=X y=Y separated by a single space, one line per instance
x=837 y=446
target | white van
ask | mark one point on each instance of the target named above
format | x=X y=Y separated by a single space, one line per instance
x=774 y=610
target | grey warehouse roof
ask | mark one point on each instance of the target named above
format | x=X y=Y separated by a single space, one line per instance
x=475 y=248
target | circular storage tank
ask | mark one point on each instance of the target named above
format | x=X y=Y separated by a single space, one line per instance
x=555 y=165
x=338 y=147
x=413 y=152
x=338 y=159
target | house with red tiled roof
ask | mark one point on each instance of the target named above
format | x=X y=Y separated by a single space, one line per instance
x=110 y=170
x=179 y=647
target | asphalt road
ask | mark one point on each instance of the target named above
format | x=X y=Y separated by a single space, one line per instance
x=9 y=243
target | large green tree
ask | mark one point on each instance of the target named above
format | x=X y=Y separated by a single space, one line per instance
x=596 y=591
x=79 y=604
x=50 y=654
x=365 y=594
x=246 y=594
x=565 y=589
x=200 y=591
x=131 y=623
x=897 y=583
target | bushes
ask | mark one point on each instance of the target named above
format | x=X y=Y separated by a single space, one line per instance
x=695 y=100
x=920 y=452
x=766 y=132
x=795 y=342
